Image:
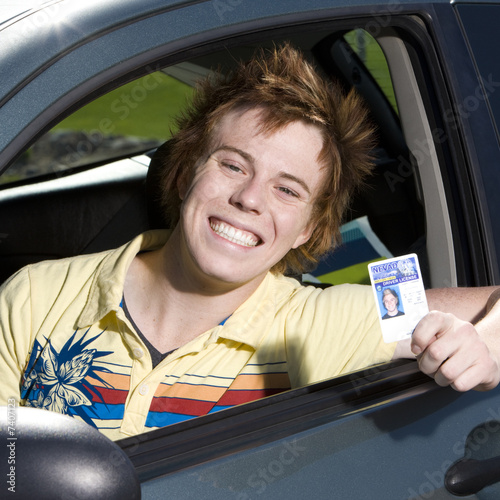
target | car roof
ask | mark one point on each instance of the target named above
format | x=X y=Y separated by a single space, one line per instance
x=10 y=9
x=109 y=12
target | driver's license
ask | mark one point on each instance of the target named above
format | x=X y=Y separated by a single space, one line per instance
x=399 y=295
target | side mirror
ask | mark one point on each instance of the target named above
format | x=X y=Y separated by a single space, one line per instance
x=47 y=455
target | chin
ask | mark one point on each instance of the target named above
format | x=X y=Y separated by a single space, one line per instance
x=233 y=277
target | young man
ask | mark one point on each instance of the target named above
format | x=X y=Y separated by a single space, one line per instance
x=182 y=323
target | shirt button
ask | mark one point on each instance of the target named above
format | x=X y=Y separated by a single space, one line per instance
x=143 y=390
x=138 y=352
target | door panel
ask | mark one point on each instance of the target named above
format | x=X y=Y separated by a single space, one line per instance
x=397 y=450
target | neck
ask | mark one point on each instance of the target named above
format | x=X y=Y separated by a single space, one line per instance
x=171 y=304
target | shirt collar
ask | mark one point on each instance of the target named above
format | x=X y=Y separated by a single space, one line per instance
x=250 y=322
x=106 y=290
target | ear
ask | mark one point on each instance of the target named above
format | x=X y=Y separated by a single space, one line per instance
x=304 y=236
x=182 y=186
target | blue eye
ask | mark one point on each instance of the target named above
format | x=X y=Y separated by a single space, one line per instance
x=231 y=167
x=288 y=191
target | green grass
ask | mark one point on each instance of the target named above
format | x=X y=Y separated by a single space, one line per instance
x=374 y=59
x=143 y=108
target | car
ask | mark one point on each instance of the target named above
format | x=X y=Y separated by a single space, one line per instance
x=88 y=94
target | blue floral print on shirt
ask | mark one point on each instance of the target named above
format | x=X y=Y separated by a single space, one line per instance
x=55 y=381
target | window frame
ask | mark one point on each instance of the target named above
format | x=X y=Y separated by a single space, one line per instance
x=286 y=414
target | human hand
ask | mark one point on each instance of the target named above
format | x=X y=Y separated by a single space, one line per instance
x=453 y=352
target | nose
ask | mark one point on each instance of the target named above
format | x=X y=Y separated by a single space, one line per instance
x=249 y=197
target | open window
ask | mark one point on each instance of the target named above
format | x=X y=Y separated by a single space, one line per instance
x=92 y=197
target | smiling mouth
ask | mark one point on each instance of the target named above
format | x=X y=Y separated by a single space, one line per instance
x=230 y=233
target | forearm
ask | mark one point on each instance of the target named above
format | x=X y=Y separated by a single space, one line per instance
x=467 y=304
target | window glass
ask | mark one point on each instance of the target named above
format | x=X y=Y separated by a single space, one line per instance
x=131 y=119
x=370 y=53
x=481 y=25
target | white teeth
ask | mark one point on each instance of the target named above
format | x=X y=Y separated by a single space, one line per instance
x=234 y=235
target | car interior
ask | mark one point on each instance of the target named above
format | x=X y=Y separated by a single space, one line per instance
x=103 y=199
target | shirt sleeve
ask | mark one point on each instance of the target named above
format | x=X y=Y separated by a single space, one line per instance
x=333 y=331
x=15 y=334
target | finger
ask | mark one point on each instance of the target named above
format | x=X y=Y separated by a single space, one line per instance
x=462 y=371
x=429 y=329
x=452 y=353
x=436 y=354
x=474 y=378
x=468 y=379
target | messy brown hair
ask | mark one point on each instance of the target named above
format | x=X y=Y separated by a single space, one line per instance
x=288 y=89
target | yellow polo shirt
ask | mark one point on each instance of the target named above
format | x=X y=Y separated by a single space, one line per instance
x=67 y=346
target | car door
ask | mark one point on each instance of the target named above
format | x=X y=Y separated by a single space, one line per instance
x=387 y=431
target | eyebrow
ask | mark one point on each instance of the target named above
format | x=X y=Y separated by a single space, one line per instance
x=251 y=159
x=285 y=175
x=242 y=153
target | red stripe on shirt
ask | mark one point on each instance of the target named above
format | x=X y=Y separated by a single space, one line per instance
x=110 y=396
x=182 y=406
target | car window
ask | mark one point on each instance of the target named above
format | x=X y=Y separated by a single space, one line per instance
x=139 y=116
x=125 y=122
x=388 y=218
x=129 y=121
x=372 y=56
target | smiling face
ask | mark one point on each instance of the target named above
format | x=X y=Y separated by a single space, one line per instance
x=250 y=202
x=390 y=303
